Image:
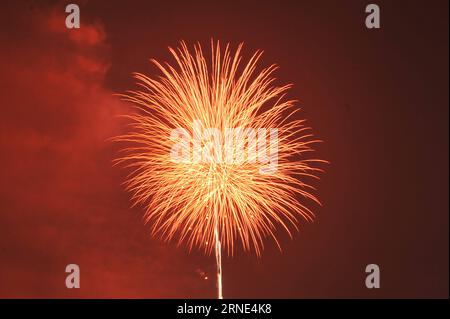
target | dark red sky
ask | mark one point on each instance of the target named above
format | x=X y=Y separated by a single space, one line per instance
x=378 y=98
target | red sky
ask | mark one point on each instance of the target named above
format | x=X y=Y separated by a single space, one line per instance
x=378 y=98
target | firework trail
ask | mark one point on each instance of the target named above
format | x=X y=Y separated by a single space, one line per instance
x=219 y=194
x=218 y=263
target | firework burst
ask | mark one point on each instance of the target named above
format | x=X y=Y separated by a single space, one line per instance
x=214 y=203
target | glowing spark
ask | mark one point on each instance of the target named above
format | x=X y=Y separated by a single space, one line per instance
x=221 y=202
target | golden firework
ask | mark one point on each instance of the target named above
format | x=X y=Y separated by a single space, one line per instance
x=219 y=192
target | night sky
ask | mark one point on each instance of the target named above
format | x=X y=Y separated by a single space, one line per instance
x=377 y=98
